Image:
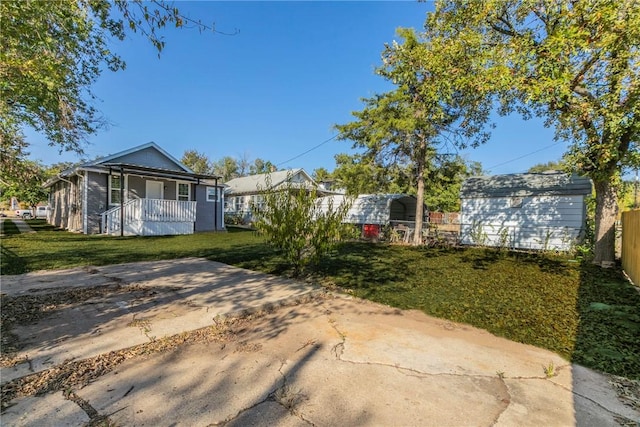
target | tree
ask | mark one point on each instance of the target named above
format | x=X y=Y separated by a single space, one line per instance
x=444 y=178
x=226 y=167
x=29 y=189
x=261 y=166
x=321 y=174
x=557 y=165
x=360 y=174
x=293 y=222
x=197 y=162
x=52 y=52
x=406 y=125
x=575 y=63
x=244 y=164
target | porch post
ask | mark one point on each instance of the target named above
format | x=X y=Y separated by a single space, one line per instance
x=121 y=202
x=215 y=206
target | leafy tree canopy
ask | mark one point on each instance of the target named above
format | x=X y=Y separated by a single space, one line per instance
x=575 y=63
x=197 y=162
x=404 y=128
x=52 y=52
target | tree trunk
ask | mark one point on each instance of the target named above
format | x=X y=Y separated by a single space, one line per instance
x=417 y=236
x=606 y=214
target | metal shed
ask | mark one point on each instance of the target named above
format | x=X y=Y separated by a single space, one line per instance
x=372 y=211
x=524 y=211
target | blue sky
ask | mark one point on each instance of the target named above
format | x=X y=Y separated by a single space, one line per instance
x=274 y=90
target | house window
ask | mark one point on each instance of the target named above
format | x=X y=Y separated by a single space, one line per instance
x=115 y=185
x=184 y=192
x=212 y=194
x=257 y=202
x=239 y=203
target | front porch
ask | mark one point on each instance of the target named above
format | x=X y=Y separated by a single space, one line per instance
x=150 y=217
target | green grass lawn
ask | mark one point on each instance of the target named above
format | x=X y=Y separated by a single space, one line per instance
x=587 y=315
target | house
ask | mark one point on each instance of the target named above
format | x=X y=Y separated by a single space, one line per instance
x=241 y=194
x=372 y=211
x=141 y=191
x=526 y=211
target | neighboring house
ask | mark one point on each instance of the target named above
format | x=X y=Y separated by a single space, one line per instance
x=525 y=211
x=372 y=211
x=241 y=194
x=141 y=191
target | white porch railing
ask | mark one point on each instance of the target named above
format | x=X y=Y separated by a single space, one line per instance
x=151 y=216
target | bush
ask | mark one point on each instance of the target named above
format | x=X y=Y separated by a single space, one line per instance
x=292 y=221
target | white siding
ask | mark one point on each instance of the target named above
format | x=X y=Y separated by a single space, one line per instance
x=542 y=222
x=155 y=228
x=373 y=209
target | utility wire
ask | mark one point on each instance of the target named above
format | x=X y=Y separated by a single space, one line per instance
x=523 y=156
x=309 y=150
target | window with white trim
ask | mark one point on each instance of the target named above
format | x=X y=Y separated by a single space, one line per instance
x=115 y=185
x=239 y=202
x=184 y=192
x=212 y=194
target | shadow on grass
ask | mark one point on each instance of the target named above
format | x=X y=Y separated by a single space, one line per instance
x=12 y=263
x=361 y=265
x=9 y=228
x=483 y=258
x=41 y=225
x=608 y=332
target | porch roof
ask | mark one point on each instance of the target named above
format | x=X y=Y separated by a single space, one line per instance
x=158 y=172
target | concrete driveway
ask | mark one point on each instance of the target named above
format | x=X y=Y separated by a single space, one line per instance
x=302 y=358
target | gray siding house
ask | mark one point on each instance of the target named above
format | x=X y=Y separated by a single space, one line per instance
x=524 y=211
x=142 y=191
x=241 y=194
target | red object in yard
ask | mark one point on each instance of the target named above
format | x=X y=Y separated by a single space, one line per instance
x=371 y=231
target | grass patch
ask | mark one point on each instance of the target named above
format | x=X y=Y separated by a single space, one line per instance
x=585 y=314
x=54 y=249
x=588 y=315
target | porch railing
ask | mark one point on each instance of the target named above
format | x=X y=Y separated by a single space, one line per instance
x=148 y=210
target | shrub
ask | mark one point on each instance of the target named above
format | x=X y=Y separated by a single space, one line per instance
x=292 y=221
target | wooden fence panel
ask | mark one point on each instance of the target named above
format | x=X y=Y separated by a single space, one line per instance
x=631 y=244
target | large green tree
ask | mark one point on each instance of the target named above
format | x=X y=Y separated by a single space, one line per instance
x=261 y=166
x=575 y=63
x=52 y=52
x=360 y=174
x=28 y=189
x=197 y=162
x=407 y=125
x=443 y=178
x=227 y=168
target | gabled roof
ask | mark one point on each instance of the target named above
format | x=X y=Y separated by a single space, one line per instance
x=122 y=154
x=258 y=183
x=128 y=163
x=525 y=184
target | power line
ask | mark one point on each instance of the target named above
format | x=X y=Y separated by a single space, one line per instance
x=523 y=156
x=309 y=150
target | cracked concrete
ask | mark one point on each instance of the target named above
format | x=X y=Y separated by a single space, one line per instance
x=339 y=361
